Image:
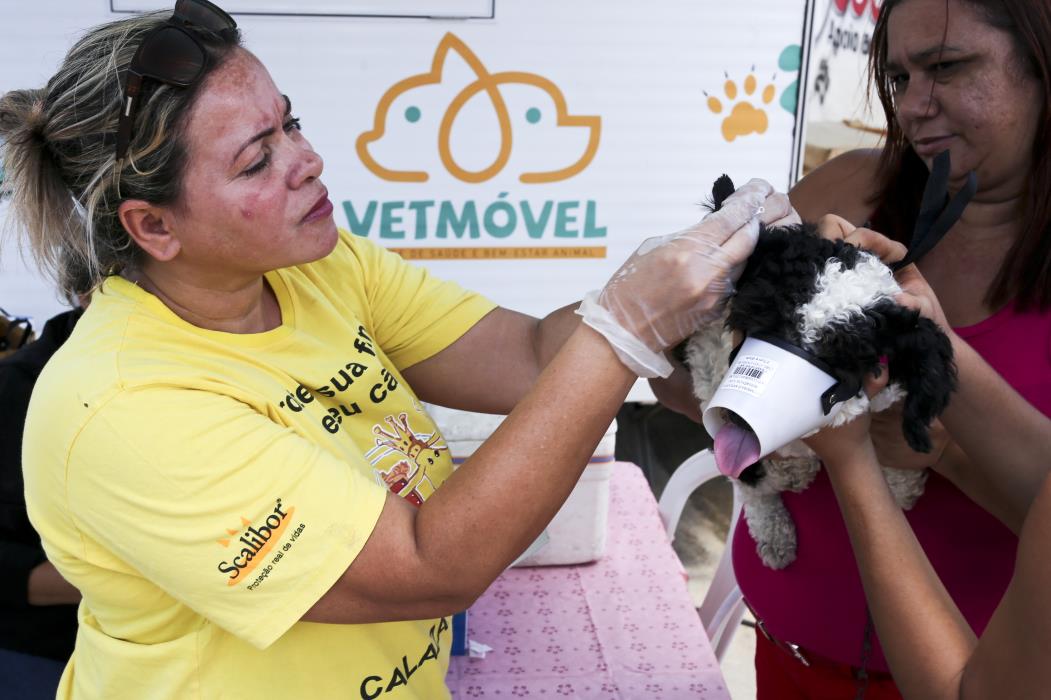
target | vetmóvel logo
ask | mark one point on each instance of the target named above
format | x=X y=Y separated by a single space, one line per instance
x=410 y=113
x=255 y=542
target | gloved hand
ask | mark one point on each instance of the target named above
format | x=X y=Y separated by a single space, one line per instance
x=673 y=284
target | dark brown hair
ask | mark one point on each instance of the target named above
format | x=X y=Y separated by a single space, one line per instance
x=1025 y=275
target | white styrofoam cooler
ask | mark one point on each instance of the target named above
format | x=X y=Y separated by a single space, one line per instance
x=577 y=533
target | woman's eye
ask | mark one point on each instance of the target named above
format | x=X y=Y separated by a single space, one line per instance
x=943 y=67
x=897 y=82
x=291 y=124
x=258 y=167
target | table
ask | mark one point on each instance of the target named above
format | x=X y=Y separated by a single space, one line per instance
x=623 y=627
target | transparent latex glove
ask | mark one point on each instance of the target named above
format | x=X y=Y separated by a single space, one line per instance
x=673 y=284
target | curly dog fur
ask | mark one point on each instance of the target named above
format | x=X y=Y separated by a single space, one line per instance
x=835 y=301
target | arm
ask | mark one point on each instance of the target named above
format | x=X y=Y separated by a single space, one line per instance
x=482 y=503
x=926 y=640
x=843 y=186
x=525 y=344
x=1003 y=441
x=1011 y=658
x=47 y=587
x=30 y=578
x=205 y=460
x=455 y=378
x=676 y=392
x=931 y=649
x=515 y=483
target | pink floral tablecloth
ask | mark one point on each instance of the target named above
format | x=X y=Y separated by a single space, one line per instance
x=623 y=627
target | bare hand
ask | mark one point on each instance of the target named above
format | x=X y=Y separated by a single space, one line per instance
x=838 y=445
x=676 y=393
x=892 y=449
x=917 y=294
x=835 y=227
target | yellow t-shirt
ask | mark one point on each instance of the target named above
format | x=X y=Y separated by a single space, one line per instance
x=204 y=489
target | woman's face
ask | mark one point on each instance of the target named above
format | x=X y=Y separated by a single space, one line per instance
x=251 y=199
x=972 y=96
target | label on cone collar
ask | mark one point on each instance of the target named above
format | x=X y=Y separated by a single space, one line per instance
x=750 y=374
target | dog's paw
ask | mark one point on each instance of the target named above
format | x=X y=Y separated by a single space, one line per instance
x=776 y=555
x=772 y=528
x=793 y=474
x=906 y=485
x=707 y=356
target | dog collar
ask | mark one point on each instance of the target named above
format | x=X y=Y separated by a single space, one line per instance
x=842 y=390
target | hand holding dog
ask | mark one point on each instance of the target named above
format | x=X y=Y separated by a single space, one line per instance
x=886 y=429
x=834 y=227
x=891 y=448
x=673 y=284
x=917 y=294
x=844 y=444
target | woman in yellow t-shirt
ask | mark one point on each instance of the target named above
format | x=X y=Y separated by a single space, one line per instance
x=227 y=458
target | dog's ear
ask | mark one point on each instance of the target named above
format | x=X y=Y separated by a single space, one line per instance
x=921 y=361
x=723 y=188
x=851 y=349
x=919 y=355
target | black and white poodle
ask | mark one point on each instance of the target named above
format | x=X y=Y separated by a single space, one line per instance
x=836 y=303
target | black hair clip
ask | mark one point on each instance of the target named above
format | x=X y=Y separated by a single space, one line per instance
x=17 y=333
x=937 y=213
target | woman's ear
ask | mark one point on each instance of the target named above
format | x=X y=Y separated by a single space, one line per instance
x=150 y=227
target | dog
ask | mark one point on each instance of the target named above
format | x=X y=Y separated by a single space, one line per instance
x=836 y=302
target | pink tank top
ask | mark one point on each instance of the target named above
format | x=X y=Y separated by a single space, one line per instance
x=818 y=602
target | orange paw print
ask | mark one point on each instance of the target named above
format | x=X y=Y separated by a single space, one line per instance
x=744 y=118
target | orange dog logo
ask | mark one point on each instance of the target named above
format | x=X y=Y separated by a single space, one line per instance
x=447 y=105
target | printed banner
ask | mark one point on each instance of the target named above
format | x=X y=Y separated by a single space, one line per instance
x=524 y=154
x=838 y=68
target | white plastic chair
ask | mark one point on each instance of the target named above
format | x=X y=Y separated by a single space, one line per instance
x=723 y=607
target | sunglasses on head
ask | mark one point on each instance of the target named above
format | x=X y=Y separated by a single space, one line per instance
x=170 y=54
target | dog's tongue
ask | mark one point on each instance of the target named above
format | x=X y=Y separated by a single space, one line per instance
x=735 y=449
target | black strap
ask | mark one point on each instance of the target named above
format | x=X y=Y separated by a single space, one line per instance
x=937 y=215
x=842 y=390
x=862 y=676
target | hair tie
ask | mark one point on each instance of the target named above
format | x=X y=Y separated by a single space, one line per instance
x=36 y=121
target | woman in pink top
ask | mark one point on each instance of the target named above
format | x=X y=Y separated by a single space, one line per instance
x=931 y=648
x=970 y=77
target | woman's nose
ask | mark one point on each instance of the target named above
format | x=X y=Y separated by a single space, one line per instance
x=917 y=101
x=308 y=166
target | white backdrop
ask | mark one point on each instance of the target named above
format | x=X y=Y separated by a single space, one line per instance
x=631 y=109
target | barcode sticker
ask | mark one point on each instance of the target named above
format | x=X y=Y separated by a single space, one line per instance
x=750 y=374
